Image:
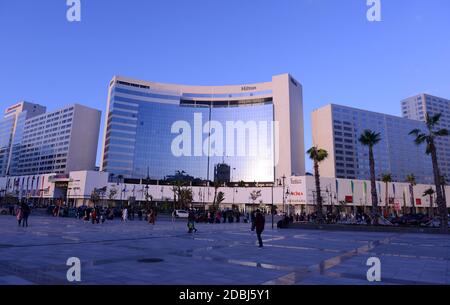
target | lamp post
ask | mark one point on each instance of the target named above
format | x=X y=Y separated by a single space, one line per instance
x=284 y=199
x=271 y=213
x=288 y=192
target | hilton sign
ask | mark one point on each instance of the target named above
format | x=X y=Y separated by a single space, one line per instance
x=248 y=88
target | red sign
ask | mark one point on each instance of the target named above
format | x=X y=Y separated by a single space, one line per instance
x=418 y=201
x=349 y=199
x=296 y=193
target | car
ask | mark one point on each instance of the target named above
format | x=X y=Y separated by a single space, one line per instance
x=181 y=214
x=4 y=210
x=433 y=223
x=411 y=220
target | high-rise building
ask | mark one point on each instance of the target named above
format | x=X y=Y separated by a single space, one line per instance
x=256 y=128
x=35 y=142
x=222 y=173
x=11 y=131
x=415 y=108
x=337 y=129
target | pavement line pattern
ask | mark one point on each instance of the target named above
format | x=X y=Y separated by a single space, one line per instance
x=301 y=274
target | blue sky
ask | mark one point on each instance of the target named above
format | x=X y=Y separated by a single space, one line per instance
x=328 y=45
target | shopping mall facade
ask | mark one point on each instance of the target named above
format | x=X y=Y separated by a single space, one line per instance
x=296 y=195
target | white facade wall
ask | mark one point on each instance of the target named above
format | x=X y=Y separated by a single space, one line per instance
x=298 y=191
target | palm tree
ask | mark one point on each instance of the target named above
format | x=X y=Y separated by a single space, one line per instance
x=412 y=182
x=428 y=137
x=386 y=178
x=370 y=139
x=318 y=155
x=430 y=192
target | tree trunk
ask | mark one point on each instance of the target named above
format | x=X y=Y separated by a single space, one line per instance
x=318 y=191
x=442 y=205
x=373 y=186
x=431 y=206
x=444 y=195
x=412 y=199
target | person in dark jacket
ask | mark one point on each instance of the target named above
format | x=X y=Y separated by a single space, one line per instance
x=260 y=222
x=25 y=214
x=253 y=217
x=191 y=222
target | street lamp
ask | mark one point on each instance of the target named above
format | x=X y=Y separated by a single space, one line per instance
x=284 y=199
x=272 y=205
x=287 y=199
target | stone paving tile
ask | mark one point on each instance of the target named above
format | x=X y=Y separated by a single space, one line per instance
x=217 y=254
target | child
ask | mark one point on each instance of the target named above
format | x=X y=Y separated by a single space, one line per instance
x=19 y=216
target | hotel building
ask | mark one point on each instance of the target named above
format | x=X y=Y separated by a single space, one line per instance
x=145 y=121
x=35 y=142
x=337 y=129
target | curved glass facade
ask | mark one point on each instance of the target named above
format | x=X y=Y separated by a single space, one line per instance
x=167 y=132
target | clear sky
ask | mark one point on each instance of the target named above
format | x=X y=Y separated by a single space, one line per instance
x=328 y=45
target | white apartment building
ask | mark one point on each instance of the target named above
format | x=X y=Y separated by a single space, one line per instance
x=337 y=129
x=60 y=141
x=415 y=108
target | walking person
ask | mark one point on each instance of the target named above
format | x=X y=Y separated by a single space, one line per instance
x=151 y=217
x=191 y=222
x=125 y=214
x=19 y=215
x=253 y=218
x=94 y=215
x=26 y=213
x=260 y=222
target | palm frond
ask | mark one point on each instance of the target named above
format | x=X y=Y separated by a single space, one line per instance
x=442 y=133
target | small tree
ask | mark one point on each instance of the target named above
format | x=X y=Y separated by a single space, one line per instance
x=95 y=196
x=220 y=198
x=216 y=188
x=112 y=194
x=430 y=192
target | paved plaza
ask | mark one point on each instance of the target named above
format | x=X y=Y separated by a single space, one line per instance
x=138 y=253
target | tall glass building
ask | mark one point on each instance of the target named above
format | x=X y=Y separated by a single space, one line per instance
x=415 y=108
x=160 y=129
x=337 y=129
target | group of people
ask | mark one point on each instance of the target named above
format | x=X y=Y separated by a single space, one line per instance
x=22 y=213
x=258 y=221
x=98 y=215
x=150 y=214
x=329 y=217
x=220 y=216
